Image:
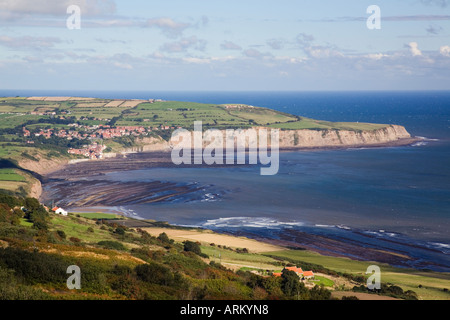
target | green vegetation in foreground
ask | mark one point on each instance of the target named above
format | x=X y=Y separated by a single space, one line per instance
x=116 y=262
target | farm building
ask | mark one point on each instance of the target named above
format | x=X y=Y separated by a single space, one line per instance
x=60 y=211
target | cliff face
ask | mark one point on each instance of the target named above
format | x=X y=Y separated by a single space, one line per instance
x=303 y=139
x=341 y=138
x=143 y=145
x=44 y=165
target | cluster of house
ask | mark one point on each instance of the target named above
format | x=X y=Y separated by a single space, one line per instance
x=92 y=151
x=303 y=275
x=236 y=106
x=95 y=132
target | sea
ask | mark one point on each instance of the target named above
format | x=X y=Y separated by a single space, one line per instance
x=389 y=198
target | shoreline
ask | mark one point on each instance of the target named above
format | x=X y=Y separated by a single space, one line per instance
x=161 y=159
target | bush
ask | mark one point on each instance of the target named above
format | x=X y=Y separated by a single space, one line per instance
x=120 y=231
x=34 y=267
x=61 y=234
x=10 y=200
x=191 y=246
x=155 y=273
x=75 y=240
x=112 y=245
x=11 y=289
x=164 y=238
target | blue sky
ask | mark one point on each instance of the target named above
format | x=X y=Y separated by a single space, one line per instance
x=225 y=45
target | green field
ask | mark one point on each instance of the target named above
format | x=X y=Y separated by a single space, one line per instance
x=73 y=227
x=322 y=281
x=95 y=215
x=11 y=175
x=16 y=111
x=427 y=284
x=306 y=123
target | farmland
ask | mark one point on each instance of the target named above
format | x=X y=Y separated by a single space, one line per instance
x=17 y=111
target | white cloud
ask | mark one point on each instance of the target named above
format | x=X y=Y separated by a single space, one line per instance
x=125 y=66
x=322 y=52
x=445 y=51
x=376 y=56
x=414 y=49
x=168 y=26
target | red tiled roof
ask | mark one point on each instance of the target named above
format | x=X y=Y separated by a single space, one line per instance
x=295 y=269
x=277 y=274
x=308 y=274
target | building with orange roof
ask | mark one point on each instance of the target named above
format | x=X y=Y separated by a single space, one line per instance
x=308 y=275
x=298 y=271
x=277 y=274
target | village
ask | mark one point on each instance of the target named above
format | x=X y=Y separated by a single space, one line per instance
x=96 y=132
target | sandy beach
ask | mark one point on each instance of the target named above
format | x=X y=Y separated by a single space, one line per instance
x=208 y=237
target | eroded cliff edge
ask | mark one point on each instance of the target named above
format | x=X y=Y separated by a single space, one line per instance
x=390 y=135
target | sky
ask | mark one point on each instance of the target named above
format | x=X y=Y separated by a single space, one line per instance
x=210 y=45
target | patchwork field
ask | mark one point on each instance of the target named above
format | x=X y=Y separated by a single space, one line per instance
x=160 y=113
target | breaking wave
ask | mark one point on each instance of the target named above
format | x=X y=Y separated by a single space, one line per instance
x=250 y=222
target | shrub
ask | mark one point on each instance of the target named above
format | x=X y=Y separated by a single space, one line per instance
x=191 y=246
x=75 y=240
x=120 y=231
x=164 y=238
x=112 y=245
x=34 y=267
x=155 y=273
x=61 y=234
x=11 y=289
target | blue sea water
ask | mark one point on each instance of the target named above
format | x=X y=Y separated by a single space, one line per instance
x=388 y=198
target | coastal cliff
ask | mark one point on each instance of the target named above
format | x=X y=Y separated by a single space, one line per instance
x=312 y=139
x=343 y=138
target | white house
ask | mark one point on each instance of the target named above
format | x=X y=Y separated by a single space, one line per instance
x=60 y=211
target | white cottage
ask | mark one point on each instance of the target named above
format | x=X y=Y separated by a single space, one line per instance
x=60 y=211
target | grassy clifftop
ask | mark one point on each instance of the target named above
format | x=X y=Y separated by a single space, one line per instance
x=17 y=111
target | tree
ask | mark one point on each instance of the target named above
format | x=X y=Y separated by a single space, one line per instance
x=32 y=204
x=164 y=238
x=290 y=284
x=191 y=246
